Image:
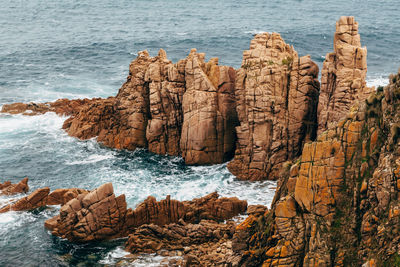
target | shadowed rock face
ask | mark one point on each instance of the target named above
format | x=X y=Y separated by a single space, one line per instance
x=100 y=215
x=208 y=131
x=339 y=204
x=277 y=96
x=343 y=75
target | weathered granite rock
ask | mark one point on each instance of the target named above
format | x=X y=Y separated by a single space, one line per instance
x=63 y=195
x=97 y=215
x=39 y=198
x=100 y=215
x=166 y=85
x=151 y=238
x=343 y=75
x=64 y=107
x=35 y=200
x=208 y=131
x=277 y=97
x=339 y=203
x=7 y=188
x=159 y=102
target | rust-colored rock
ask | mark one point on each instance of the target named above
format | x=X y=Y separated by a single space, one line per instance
x=208 y=130
x=7 y=188
x=151 y=238
x=97 y=215
x=100 y=215
x=159 y=102
x=344 y=209
x=35 y=200
x=343 y=75
x=63 y=195
x=64 y=107
x=277 y=96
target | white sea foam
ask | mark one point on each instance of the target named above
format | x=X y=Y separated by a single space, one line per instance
x=17 y=123
x=254 y=32
x=91 y=159
x=378 y=81
x=114 y=256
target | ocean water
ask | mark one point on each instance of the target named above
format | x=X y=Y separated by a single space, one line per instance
x=75 y=49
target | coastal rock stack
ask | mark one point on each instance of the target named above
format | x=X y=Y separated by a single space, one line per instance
x=186 y=109
x=277 y=97
x=343 y=75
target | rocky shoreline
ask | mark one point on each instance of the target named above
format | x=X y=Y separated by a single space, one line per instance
x=332 y=145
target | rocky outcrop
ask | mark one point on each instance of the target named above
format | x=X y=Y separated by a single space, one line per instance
x=162 y=101
x=343 y=75
x=338 y=205
x=7 y=188
x=40 y=197
x=277 y=96
x=35 y=200
x=64 y=107
x=100 y=215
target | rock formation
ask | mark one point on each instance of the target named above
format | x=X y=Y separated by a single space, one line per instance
x=277 y=97
x=40 y=197
x=7 y=188
x=339 y=203
x=64 y=107
x=162 y=101
x=343 y=75
x=100 y=215
x=261 y=115
x=35 y=200
x=151 y=238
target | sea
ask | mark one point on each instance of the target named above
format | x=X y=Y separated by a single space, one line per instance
x=82 y=49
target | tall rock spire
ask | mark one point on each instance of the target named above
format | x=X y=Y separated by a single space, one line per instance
x=343 y=74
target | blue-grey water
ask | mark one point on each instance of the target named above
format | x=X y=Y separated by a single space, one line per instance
x=76 y=49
